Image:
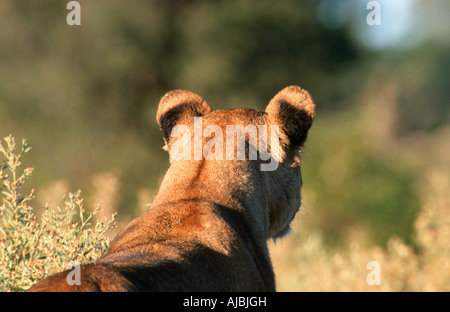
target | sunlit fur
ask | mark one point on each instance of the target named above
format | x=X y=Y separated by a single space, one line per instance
x=208 y=226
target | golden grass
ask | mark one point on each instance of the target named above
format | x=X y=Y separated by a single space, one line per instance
x=303 y=262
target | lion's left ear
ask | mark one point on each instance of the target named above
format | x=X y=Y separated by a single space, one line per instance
x=177 y=106
x=293 y=110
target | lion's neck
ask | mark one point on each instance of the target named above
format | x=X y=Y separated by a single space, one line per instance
x=237 y=191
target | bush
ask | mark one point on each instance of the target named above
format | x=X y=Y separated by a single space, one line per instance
x=32 y=249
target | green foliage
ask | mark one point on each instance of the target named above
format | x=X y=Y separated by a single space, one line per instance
x=109 y=73
x=355 y=176
x=31 y=249
x=93 y=90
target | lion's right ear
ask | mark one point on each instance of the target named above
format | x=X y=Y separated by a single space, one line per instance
x=293 y=110
x=177 y=106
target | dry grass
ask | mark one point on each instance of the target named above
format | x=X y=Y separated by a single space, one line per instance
x=304 y=263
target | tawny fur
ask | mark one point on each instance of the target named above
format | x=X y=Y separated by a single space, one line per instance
x=208 y=226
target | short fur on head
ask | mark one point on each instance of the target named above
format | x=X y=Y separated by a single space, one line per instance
x=208 y=226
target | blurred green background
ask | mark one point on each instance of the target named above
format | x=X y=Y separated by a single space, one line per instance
x=85 y=97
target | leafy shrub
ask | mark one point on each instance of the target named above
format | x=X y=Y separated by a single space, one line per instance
x=31 y=249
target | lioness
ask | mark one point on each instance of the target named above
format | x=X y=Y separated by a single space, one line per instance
x=208 y=226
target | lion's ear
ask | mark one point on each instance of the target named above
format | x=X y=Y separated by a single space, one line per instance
x=177 y=106
x=293 y=110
